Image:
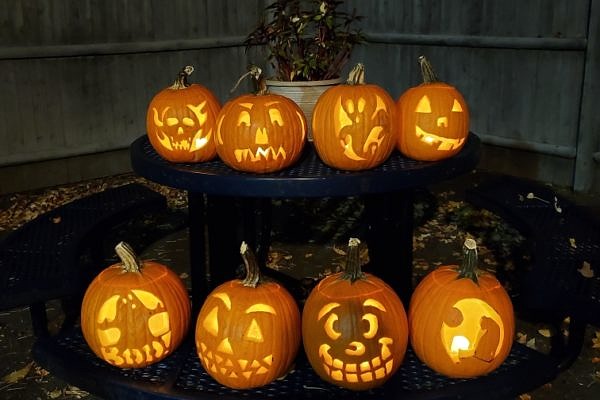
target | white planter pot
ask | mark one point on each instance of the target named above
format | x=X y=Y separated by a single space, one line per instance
x=304 y=93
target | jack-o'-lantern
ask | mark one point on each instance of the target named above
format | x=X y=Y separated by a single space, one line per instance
x=461 y=319
x=248 y=331
x=135 y=313
x=353 y=124
x=354 y=327
x=260 y=132
x=433 y=118
x=181 y=121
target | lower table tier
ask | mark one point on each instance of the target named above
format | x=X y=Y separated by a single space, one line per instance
x=181 y=376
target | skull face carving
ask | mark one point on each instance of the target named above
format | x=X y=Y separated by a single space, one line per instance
x=242 y=336
x=353 y=125
x=181 y=122
x=183 y=131
x=152 y=342
x=262 y=133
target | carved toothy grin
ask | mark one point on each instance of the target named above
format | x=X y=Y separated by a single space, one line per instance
x=365 y=371
x=198 y=142
x=221 y=364
x=259 y=154
x=444 y=144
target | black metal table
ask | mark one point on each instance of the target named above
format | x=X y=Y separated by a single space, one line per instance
x=214 y=191
x=388 y=194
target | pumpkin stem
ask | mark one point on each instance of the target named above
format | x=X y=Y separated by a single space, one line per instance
x=357 y=75
x=181 y=81
x=353 y=271
x=468 y=268
x=129 y=260
x=260 y=85
x=427 y=71
x=252 y=278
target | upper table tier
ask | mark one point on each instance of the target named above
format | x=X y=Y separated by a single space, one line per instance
x=309 y=177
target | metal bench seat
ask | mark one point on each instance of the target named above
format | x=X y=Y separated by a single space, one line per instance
x=42 y=260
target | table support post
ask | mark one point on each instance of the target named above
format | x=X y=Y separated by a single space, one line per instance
x=390 y=239
x=198 y=248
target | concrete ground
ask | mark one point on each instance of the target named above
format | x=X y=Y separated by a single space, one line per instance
x=443 y=219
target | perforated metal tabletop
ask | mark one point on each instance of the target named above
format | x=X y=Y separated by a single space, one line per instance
x=309 y=177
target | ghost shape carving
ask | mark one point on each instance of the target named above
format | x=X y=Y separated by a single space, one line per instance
x=260 y=133
x=353 y=124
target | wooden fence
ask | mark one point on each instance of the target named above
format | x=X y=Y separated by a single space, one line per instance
x=76 y=75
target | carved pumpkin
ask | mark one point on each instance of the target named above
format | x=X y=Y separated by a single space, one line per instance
x=260 y=132
x=135 y=313
x=461 y=319
x=181 y=121
x=354 y=327
x=433 y=119
x=248 y=331
x=353 y=124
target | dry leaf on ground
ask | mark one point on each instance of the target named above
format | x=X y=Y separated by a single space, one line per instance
x=17 y=375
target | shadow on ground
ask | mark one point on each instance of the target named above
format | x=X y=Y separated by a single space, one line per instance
x=443 y=220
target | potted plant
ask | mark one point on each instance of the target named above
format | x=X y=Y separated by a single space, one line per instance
x=308 y=43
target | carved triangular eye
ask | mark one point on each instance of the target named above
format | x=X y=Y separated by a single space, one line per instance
x=456 y=107
x=424 y=106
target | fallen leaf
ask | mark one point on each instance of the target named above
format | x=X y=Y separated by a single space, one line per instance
x=573 y=243
x=56 y=220
x=595 y=360
x=17 y=375
x=308 y=255
x=524 y=396
x=341 y=252
x=521 y=338
x=545 y=332
x=55 y=394
x=586 y=270
x=531 y=343
x=596 y=341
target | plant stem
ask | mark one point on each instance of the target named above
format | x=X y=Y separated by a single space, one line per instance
x=353 y=271
x=427 y=71
x=129 y=260
x=357 y=75
x=181 y=80
x=468 y=268
x=252 y=278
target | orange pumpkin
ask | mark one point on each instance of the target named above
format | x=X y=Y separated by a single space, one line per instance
x=260 y=132
x=433 y=118
x=461 y=319
x=248 y=331
x=181 y=121
x=353 y=124
x=354 y=327
x=135 y=313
